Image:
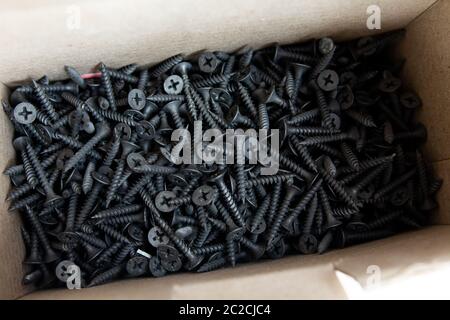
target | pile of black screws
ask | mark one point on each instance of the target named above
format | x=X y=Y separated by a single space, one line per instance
x=97 y=187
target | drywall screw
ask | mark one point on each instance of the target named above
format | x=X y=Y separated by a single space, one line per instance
x=75 y=76
x=218 y=179
x=291 y=192
x=25 y=113
x=107 y=85
x=306 y=198
x=165 y=65
x=52 y=197
x=102 y=130
x=20 y=144
x=136 y=99
x=49 y=253
x=328 y=80
x=350 y=156
x=45 y=101
x=106 y=276
x=173 y=84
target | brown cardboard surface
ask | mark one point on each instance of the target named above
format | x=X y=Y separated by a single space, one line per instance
x=11 y=245
x=294 y=277
x=37 y=39
x=118 y=32
x=427 y=71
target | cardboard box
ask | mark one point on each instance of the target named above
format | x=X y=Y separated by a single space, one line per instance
x=41 y=37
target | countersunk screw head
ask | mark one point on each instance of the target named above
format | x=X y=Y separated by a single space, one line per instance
x=203 y=195
x=389 y=84
x=156 y=268
x=261 y=226
x=307 y=244
x=182 y=68
x=25 y=113
x=236 y=234
x=63 y=157
x=171 y=263
x=136 y=232
x=137 y=266
x=208 y=62
x=21 y=142
x=145 y=130
x=157 y=237
x=328 y=80
x=173 y=84
x=400 y=196
x=103 y=175
x=135 y=160
x=326 y=45
x=162 y=201
x=122 y=131
x=410 y=100
x=137 y=99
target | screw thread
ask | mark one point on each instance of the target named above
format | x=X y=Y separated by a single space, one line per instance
x=395 y=183
x=45 y=102
x=180 y=201
x=166 y=65
x=350 y=156
x=88 y=204
x=20 y=204
x=247 y=99
x=211 y=81
x=263 y=117
x=31 y=129
x=88 y=181
x=230 y=203
x=260 y=213
x=106 y=276
x=143 y=79
x=113 y=233
x=118 y=75
x=107 y=85
x=115 y=182
x=28 y=168
x=231 y=251
x=155 y=169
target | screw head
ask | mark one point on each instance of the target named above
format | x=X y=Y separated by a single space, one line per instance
x=137 y=99
x=156 y=269
x=182 y=68
x=135 y=160
x=25 y=113
x=20 y=143
x=236 y=234
x=326 y=45
x=173 y=84
x=400 y=196
x=145 y=130
x=259 y=228
x=277 y=250
x=136 y=232
x=122 y=131
x=63 y=157
x=162 y=201
x=137 y=266
x=103 y=103
x=203 y=195
x=410 y=100
x=171 y=263
x=389 y=84
x=328 y=80
x=307 y=244
x=157 y=237
x=103 y=175
x=208 y=62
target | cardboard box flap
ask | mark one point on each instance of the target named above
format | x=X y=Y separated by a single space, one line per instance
x=41 y=37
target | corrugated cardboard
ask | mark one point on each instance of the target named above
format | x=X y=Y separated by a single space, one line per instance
x=36 y=40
